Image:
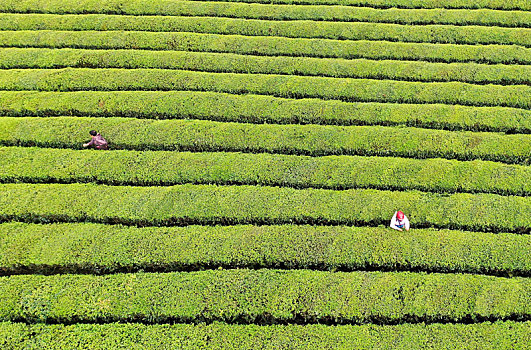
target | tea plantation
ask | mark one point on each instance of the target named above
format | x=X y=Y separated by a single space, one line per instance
x=258 y=150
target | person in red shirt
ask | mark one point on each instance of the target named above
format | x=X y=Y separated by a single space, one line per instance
x=98 y=142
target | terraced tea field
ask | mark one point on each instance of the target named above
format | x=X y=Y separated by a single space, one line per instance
x=258 y=150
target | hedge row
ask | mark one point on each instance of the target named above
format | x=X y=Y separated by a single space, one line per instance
x=485 y=17
x=267 y=46
x=264 y=296
x=235 y=63
x=211 y=204
x=36 y=165
x=96 y=248
x=115 y=6
x=344 y=89
x=489 y=336
x=200 y=136
x=289 y=29
x=259 y=109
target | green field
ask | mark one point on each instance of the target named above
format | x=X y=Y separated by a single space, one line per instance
x=258 y=150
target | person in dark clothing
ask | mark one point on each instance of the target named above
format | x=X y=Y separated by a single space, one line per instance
x=98 y=142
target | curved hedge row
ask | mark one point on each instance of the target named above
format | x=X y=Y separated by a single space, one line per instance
x=485 y=17
x=36 y=165
x=211 y=204
x=116 y=6
x=267 y=46
x=315 y=140
x=345 y=89
x=488 y=336
x=290 y=29
x=264 y=296
x=235 y=63
x=259 y=109
x=97 y=249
